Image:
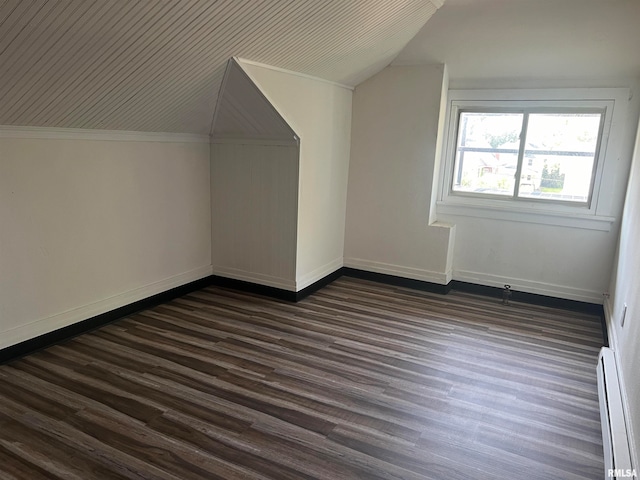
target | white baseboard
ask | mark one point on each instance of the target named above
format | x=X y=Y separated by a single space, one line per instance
x=613 y=344
x=441 y=278
x=529 y=286
x=252 y=277
x=69 y=317
x=318 y=274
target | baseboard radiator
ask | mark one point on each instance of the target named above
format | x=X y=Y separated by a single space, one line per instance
x=615 y=440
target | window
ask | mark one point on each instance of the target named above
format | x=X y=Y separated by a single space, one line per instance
x=534 y=154
x=541 y=156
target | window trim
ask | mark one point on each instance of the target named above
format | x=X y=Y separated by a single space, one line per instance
x=612 y=101
x=527 y=112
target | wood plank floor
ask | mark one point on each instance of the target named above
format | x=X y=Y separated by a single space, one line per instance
x=360 y=380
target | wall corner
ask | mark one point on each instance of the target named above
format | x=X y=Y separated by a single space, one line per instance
x=435 y=182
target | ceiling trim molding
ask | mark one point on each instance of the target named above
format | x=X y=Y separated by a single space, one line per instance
x=291 y=72
x=8 y=131
x=271 y=142
x=415 y=63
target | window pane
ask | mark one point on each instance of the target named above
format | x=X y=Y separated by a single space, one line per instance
x=487 y=153
x=559 y=156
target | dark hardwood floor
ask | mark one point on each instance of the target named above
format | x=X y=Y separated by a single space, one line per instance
x=360 y=380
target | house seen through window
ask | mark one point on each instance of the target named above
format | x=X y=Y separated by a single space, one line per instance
x=534 y=155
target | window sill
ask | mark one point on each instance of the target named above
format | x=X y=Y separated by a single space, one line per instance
x=527 y=215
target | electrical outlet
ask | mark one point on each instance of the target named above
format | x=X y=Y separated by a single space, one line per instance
x=624 y=315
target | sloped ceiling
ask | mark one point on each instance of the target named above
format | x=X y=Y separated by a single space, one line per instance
x=157 y=65
x=243 y=112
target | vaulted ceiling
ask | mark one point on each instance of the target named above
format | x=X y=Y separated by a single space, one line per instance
x=157 y=65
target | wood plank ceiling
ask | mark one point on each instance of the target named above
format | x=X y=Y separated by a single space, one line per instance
x=157 y=65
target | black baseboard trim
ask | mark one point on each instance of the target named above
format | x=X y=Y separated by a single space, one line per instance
x=256 y=288
x=66 y=333
x=273 y=292
x=57 y=336
x=474 y=288
x=605 y=331
x=532 y=298
x=397 y=281
x=323 y=282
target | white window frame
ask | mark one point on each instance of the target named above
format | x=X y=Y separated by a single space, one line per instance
x=612 y=101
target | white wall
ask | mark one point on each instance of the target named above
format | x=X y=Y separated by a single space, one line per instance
x=254 y=190
x=496 y=44
x=320 y=113
x=625 y=289
x=391 y=173
x=549 y=260
x=555 y=260
x=396 y=114
x=553 y=256
x=524 y=40
x=87 y=226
